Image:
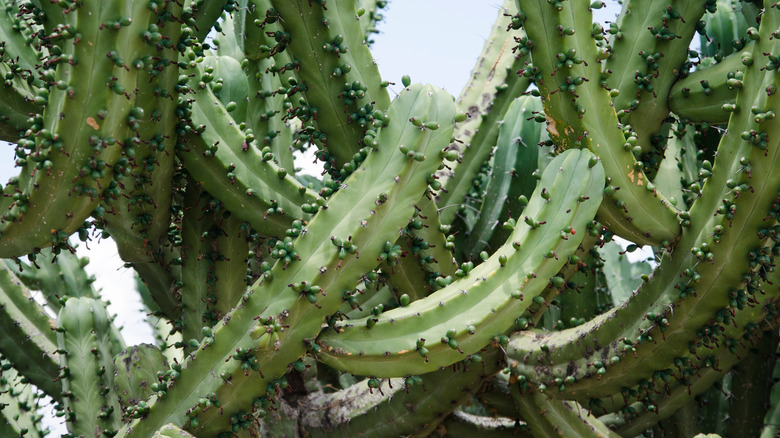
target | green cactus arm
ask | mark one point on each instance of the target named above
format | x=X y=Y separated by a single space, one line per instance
x=269 y=129
x=202 y=15
x=138 y=215
x=623 y=277
x=548 y=417
x=230 y=84
x=54 y=277
x=706 y=95
x=231 y=263
x=135 y=374
x=136 y=207
x=16 y=29
x=683 y=383
x=328 y=47
x=661 y=29
x=725 y=28
x=665 y=289
x=214 y=245
x=198 y=279
x=417 y=405
x=27 y=339
x=679 y=395
x=404 y=274
x=580 y=114
x=512 y=176
x=476 y=309
x=90 y=398
x=17 y=100
x=494 y=83
x=254 y=35
x=370 y=16
x=20 y=403
x=397 y=181
x=671 y=172
x=430 y=241
x=241 y=178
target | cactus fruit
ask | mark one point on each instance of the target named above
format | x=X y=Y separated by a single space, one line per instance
x=453 y=271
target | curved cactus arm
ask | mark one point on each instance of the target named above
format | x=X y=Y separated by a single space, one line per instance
x=691 y=374
x=708 y=94
x=90 y=398
x=725 y=27
x=548 y=417
x=202 y=15
x=69 y=152
x=336 y=74
x=494 y=83
x=245 y=180
x=20 y=403
x=515 y=160
x=360 y=217
x=465 y=316
x=636 y=417
x=17 y=100
x=689 y=278
x=27 y=340
x=255 y=34
x=370 y=15
x=416 y=404
x=18 y=44
x=654 y=37
x=580 y=114
x=55 y=277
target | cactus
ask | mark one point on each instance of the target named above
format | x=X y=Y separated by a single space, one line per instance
x=453 y=271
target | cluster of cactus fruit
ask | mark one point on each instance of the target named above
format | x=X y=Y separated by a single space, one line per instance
x=451 y=272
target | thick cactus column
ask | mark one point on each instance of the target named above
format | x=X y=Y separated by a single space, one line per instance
x=87 y=376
